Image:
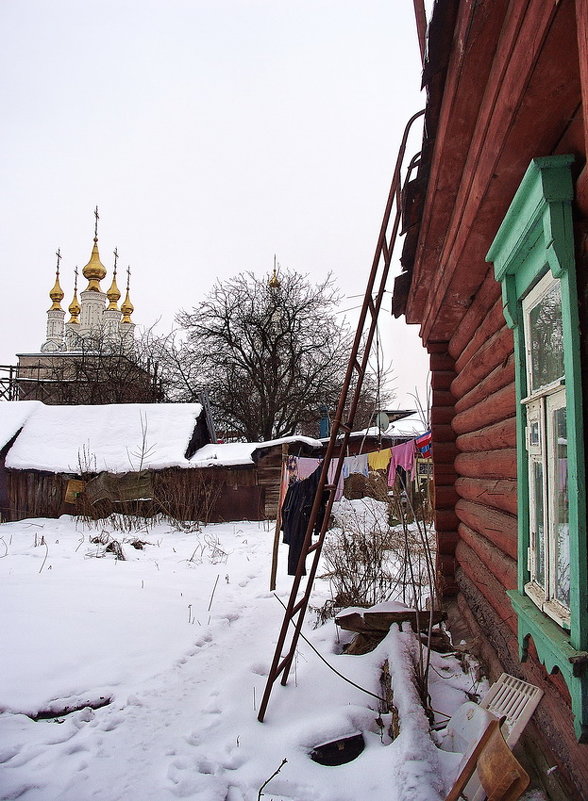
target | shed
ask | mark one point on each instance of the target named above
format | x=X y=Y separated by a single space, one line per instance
x=139 y=458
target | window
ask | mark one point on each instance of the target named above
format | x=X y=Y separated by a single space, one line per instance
x=533 y=256
x=546 y=446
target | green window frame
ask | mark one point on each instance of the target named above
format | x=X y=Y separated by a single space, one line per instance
x=533 y=257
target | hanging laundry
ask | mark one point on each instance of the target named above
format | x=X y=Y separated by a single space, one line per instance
x=356 y=464
x=379 y=460
x=423 y=444
x=307 y=466
x=402 y=456
x=292 y=468
x=296 y=514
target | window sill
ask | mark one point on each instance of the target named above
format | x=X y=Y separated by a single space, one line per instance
x=555 y=651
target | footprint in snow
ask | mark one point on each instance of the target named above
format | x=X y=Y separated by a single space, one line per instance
x=259 y=668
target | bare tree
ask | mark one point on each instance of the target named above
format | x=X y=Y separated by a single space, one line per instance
x=271 y=357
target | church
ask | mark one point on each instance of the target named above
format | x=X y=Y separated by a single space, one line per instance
x=92 y=358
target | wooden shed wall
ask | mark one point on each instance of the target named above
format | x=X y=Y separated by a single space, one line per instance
x=212 y=494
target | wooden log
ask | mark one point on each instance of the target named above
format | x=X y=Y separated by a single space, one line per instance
x=500 y=405
x=441 y=415
x=444 y=472
x=441 y=361
x=445 y=496
x=441 y=397
x=498 y=493
x=499 y=464
x=494 y=352
x=500 y=377
x=498 y=527
x=498 y=435
x=442 y=433
x=502 y=566
x=492 y=320
x=444 y=453
x=487 y=584
x=447 y=541
x=442 y=379
x=445 y=520
x=486 y=296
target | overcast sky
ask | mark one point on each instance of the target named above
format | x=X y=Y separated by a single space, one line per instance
x=211 y=134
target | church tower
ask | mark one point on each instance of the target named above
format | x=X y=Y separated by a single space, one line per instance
x=93 y=298
x=55 y=315
x=112 y=315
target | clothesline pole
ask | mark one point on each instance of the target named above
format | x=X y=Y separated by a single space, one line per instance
x=283 y=470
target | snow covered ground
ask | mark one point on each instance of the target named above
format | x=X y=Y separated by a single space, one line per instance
x=165 y=657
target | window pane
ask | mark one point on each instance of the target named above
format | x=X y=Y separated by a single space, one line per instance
x=546 y=335
x=538 y=525
x=560 y=496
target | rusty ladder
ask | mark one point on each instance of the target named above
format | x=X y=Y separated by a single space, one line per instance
x=296 y=609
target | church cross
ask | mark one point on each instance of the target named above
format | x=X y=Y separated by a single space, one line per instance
x=115 y=251
x=96 y=223
x=58 y=254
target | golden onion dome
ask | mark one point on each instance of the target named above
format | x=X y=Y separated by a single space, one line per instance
x=56 y=294
x=94 y=270
x=74 y=309
x=127 y=309
x=113 y=294
x=274 y=281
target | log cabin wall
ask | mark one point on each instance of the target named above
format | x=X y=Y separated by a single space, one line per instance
x=507 y=82
x=444 y=475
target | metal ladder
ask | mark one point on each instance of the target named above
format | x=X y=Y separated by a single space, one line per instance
x=340 y=430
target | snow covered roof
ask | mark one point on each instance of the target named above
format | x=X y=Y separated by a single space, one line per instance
x=407 y=427
x=114 y=437
x=240 y=453
x=13 y=415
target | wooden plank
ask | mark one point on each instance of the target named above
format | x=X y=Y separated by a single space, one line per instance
x=498 y=493
x=498 y=527
x=522 y=42
x=471 y=61
x=381 y=621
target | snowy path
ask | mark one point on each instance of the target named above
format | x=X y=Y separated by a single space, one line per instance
x=183 y=681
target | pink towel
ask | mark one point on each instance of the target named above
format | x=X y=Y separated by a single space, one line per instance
x=402 y=456
x=306 y=467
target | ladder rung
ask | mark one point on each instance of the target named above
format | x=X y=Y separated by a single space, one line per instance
x=314 y=546
x=297 y=607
